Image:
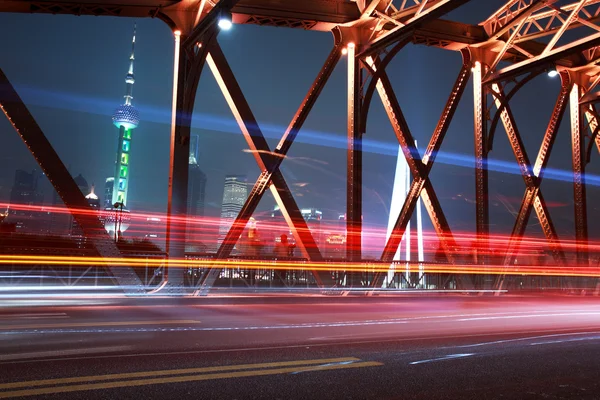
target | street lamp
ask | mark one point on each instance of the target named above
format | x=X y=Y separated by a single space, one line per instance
x=225 y=20
x=552 y=73
x=118 y=217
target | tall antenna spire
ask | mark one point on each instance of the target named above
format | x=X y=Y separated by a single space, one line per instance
x=129 y=79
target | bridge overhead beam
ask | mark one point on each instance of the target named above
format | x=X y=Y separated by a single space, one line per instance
x=427 y=12
x=32 y=135
x=546 y=59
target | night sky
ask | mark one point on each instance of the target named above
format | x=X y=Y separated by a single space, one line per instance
x=70 y=71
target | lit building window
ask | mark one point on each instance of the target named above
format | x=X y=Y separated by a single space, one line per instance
x=122 y=183
x=126 y=146
x=125 y=159
x=127 y=134
x=123 y=172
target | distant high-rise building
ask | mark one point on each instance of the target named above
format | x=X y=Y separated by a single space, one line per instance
x=278 y=225
x=196 y=196
x=108 y=190
x=126 y=118
x=23 y=196
x=92 y=198
x=94 y=203
x=235 y=194
x=82 y=184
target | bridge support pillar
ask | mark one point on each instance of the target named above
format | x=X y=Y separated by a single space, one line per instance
x=189 y=59
x=354 y=166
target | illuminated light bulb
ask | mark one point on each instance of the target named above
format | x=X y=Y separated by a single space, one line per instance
x=351 y=45
x=225 y=20
x=344 y=51
x=552 y=73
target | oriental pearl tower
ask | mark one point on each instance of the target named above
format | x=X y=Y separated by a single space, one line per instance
x=126 y=118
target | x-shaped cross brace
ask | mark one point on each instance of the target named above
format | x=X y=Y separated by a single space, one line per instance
x=420 y=167
x=532 y=175
x=268 y=161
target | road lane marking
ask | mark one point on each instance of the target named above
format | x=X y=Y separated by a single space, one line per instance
x=92 y=324
x=34 y=316
x=448 y=357
x=325 y=344
x=570 y=314
x=145 y=374
x=67 y=352
x=179 y=379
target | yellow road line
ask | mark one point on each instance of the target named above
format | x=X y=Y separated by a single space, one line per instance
x=180 y=379
x=87 y=324
x=145 y=374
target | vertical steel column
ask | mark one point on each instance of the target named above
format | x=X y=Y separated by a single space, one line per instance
x=482 y=213
x=178 y=172
x=579 y=193
x=354 y=166
x=188 y=62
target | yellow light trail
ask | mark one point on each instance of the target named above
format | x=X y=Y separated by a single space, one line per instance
x=571 y=270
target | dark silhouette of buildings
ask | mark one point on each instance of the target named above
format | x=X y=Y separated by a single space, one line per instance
x=26 y=201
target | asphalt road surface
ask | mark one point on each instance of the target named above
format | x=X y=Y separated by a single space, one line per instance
x=465 y=347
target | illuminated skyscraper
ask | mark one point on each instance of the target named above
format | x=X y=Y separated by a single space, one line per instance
x=196 y=182
x=196 y=195
x=126 y=118
x=234 y=197
x=108 y=190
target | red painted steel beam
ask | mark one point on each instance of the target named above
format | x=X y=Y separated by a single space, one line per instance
x=398 y=33
x=482 y=214
x=579 y=190
x=354 y=159
x=532 y=176
x=541 y=61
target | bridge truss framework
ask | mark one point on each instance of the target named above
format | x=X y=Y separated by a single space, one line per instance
x=519 y=41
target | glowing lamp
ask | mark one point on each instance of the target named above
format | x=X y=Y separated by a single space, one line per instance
x=344 y=51
x=552 y=73
x=225 y=20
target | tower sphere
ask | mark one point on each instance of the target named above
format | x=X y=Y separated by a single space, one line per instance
x=127 y=116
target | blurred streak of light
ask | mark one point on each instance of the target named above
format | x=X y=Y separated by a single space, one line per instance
x=545 y=270
x=74 y=102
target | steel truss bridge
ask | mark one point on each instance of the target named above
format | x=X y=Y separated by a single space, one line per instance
x=519 y=41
